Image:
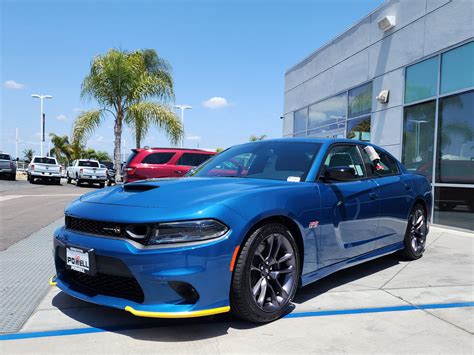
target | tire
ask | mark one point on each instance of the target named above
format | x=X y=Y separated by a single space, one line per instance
x=102 y=185
x=78 y=182
x=253 y=275
x=109 y=183
x=31 y=179
x=57 y=181
x=69 y=180
x=415 y=235
x=13 y=177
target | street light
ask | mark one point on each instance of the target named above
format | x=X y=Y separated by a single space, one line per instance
x=182 y=108
x=41 y=97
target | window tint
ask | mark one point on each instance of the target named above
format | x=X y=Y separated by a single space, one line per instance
x=330 y=111
x=88 y=163
x=457 y=68
x=418 y=142
x=44 y=161
x=386 y=165
x=455 y=160
x=158 y=158
x=344 y=155
x=4 y=157
x=359 y=128
x=193 y=159
x=360 y=100
x=421 y=80
x=300 y=120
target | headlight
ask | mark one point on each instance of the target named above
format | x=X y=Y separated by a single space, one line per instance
x=186 y=231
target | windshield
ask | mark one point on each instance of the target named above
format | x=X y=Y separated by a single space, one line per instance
x=89 y=163
x=271 y=160
x=45 y=161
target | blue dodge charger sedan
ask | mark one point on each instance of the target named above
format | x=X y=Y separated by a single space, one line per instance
x=242 y=231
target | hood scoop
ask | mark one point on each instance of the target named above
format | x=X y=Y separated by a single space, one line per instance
x=138 y=187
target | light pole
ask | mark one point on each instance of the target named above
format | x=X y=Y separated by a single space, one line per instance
x=182 y=108
x=41 y=97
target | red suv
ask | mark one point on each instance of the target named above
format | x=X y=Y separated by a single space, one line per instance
x=147 y=163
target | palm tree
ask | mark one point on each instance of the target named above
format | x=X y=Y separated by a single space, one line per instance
x=124 y=84
x=61 y=148
x=254 y=138
x=28 y=154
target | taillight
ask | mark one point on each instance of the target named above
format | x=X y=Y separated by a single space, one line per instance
x=12 y=165
x=81 y=171
x=130 y=171
x=32 y=167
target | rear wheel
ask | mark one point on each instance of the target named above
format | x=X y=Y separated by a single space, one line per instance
x=415 y=236
x=266 y=275
x=78 y=182
x=102 y=185
x=13 y=177
x=69 y=180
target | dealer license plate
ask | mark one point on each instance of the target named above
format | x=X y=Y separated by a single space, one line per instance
x=79 y=260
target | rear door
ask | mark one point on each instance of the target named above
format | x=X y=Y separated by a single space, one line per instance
x=154 y=165
x=349 y=209
x=189 y=160
x=395 y=197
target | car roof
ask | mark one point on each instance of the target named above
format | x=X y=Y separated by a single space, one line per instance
x=173 y=149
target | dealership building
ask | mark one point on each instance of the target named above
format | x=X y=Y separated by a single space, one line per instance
x=401 y=78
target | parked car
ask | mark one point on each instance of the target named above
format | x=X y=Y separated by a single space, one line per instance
x=148 y=163
x=44 y=169
x=86 y=171
x=291 y=212
x=110 y=171
x=7 y=166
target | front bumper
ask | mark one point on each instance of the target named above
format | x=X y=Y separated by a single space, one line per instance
x=205 y=267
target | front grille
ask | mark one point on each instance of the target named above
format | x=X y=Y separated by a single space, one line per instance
x=88 y=226
x=103 y=284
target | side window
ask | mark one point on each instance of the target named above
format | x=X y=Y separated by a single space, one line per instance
x=157 y=158
x=192 y=159
x=344 y=155
x=386 y=165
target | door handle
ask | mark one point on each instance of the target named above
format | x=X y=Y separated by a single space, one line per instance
x=372 y=195
x=178 y=171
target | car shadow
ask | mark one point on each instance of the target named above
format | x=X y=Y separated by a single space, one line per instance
x=176 y=330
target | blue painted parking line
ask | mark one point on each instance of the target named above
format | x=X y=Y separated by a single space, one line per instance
x=63 y=332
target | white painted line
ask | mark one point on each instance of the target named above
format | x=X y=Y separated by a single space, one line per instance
x=11 y=197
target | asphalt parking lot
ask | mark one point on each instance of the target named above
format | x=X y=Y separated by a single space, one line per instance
x=425 y=306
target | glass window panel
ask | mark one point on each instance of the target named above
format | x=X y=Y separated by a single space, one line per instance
x=455 y=161
x=335 y=130
x=418 y=138
x=300 y=120
x=360 y=100
x=421 y=80
x=301 y=134
x=288 y=124
x=359 y=128
x=457 y=68
x=454 y=206
x=332 y=110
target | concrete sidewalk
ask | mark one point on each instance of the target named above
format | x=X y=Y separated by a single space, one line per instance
x=381 y=306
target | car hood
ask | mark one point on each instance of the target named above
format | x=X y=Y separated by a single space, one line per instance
x=180 y=192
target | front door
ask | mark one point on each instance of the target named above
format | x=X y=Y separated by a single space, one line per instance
x=349 y=209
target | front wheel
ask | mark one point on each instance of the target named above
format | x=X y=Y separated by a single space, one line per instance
x=415 y=236
x=266 y=275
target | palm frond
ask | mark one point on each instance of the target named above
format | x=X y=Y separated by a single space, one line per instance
x=143 y=114
x=85 y=124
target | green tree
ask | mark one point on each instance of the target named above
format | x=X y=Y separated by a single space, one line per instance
x=99 y=155
x=254 y=138
x=134 y=88
x=61 y=148
x=28 y=154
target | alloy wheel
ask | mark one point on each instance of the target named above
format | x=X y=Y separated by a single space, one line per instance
x=273 y=273
x=418 y=231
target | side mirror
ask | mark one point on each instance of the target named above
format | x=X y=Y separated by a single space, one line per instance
x=340 y=173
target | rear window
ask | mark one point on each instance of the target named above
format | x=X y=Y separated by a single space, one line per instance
x=193 y=159
x=107 y=164
x=4 y=157
x=44 y=160
x=158 y=158
x=91 y=164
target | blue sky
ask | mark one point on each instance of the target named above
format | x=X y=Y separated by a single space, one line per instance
x=235 y=50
